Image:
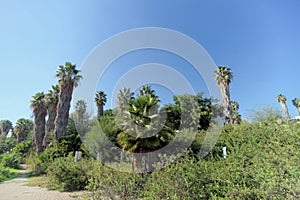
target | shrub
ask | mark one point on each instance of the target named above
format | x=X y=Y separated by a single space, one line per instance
x=105 y=182
x=10 y=160
x=66 y=175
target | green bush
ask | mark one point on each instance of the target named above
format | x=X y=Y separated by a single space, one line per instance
x=262 y=163
x=64 y=174
x=37 y=164
x=4 y=173
x=10 y=160
x=107 y=183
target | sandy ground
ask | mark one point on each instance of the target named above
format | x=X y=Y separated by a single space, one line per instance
x=17 y=189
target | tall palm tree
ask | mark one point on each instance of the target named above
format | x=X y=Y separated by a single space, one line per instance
x=51 y=99
x=124 y=97
x=100 y=100
x=22 y=128
x=68 y=78
x=223 y=76
x=296 y=103
x=5 y=127
x=38 y=105
x=282 y=100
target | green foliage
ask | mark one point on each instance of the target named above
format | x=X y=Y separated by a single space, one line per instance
x=66 y=175
x=262 y=163
x=7 y=144
x=98 y=139
x=5 y=173
x=106 y=183
x=10 y=160
x=266 y=114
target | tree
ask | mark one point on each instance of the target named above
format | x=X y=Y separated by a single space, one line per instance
x=68 y=78
x=296 y=103
x=38 y=105
x=124 y=97
x=223 y=76
x=22 y=128
x=100 y=100
x=282 y=100
x=81 y=117
x=51 y=99
x=189 y=111
x=5 y=127
x=142 y=129
x=236 y=117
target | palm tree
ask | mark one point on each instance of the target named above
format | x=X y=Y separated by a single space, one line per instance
x=5 y=127
x=296 y=103
x=80 y=110
x=22 y=128
x=124 y=97
x=282 y=100
x=68 y=78
x=38 y=105
x=236 y=117
x=51 y=99
x=81 y=118
x=100 y=100
x=142 y=129
x=223 y=76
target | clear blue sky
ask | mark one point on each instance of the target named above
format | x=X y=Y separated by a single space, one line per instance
x=258 y=40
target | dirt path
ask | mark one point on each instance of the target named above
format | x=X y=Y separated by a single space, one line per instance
x=17 y=189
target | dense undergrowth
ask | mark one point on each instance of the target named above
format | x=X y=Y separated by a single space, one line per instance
x=263 y=163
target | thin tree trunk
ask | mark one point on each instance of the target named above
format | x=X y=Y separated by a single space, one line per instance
x=285 y=110
x=226 y=102
x=63 y=107
x=298 y=108
x=50 y=125
x=100 y=111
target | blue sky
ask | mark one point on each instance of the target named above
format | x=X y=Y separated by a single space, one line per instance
x=258 y=40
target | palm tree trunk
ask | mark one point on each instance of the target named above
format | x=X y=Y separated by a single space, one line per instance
x=226 y=102
x=100 y=111
x=63 y=107
x=39 y=128
x=50 y=125
x=285 y=110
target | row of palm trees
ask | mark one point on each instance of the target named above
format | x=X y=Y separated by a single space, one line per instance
x=55 y=104
x=282 y=100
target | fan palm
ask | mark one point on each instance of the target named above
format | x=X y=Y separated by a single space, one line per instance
x=142 y=128
x=68 y=78
x=5 y=127
x=296 y=103
x=282 y=100
x=124 y=97
x=100 y=100
x=223 y=76
x=22 y=128
x=38 y=105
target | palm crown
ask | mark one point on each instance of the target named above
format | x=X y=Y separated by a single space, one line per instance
x=68 y=73
x=223 y=75
x=100 y=98
x=281 y=98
